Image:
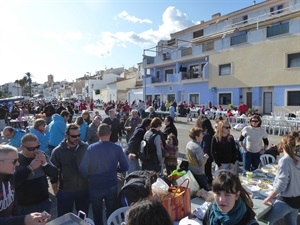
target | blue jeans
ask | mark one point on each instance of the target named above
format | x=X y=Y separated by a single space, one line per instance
x=39 y=207
x=97 y=196
x=66 y=200
x=281 y=210
x=133 y=165
x=251 y=161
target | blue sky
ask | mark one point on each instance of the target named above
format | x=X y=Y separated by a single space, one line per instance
x=67 y=38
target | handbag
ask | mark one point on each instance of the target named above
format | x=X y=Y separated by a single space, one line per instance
x=178 y=202
x=192 y=184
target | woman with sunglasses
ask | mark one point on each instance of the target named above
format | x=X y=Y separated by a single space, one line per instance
x=223 y=147
x=256 y=143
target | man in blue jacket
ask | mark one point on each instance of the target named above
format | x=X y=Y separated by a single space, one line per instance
x=13 y=135
x=101 y=163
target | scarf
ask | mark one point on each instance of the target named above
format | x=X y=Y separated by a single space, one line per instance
x=216 y=217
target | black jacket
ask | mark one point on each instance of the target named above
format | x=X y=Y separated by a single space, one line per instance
x=67 y=161
x=135 y=140
x=32 y=187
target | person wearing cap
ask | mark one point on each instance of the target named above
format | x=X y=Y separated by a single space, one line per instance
x=8 y=163
x=13 y=135
x=31 y=181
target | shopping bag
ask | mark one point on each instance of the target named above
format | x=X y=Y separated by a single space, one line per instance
x=178 y=202
x=192 y=184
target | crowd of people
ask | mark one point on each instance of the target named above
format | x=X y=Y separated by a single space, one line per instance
x=81 y=160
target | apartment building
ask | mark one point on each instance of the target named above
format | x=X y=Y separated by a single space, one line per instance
x=250 y=55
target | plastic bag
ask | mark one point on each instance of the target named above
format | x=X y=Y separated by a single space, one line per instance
x=193 y=184
x=160 y=187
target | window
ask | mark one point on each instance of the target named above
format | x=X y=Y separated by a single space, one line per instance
x=171 y=97
x=166 y=56
x=198 y=33
x=194 y=71
x=169 y=71
x=194 y=98
x=278 y=29
x=293 y=60
x=224 y=98
x=239 y=39
x=186 y=51
x=276 y=9
x=225 y=69
x=208 y=46
x=157 y=74
x=245 y=19
x=293 y=98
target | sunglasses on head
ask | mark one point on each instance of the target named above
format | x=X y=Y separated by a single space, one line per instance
x=13 y=161
x=75 y=136
x=32 y=148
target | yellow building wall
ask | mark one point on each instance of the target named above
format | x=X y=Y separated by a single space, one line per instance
x=257 y=65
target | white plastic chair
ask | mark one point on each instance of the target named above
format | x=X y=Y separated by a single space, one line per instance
x=118 y=216
x=266 y=159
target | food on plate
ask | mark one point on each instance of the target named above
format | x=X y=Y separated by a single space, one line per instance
x=263 y=186
x=266 y=181
x=252 y=182
x=207 y=196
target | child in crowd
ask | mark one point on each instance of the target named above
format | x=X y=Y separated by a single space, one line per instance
x=171 y=152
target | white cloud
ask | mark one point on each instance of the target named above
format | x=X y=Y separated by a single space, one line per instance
x=125 y=16
x=173 y=20
x=73 y=36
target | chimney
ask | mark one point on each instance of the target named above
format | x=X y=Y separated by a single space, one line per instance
x=216 y=15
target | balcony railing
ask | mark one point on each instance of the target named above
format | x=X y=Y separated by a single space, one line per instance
x=278 y=29
x=242 y=38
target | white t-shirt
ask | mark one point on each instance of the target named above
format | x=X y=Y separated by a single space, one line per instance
x=254 y=138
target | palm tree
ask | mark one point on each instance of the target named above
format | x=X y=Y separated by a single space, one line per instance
x=29 y=81
x=17 y=82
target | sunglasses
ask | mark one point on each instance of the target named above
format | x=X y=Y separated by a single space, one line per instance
x=75 y=136
x=13 y=161
x=31 y=149
x=255 y=121
x=227 y=127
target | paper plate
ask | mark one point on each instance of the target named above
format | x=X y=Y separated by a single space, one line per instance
x=187 y=221
x=253 y=188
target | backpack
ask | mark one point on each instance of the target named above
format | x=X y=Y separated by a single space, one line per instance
x=147 y=148
x=137 y=186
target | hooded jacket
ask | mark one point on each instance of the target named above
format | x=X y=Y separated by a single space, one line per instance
x=7 y=202
x=287 y=180
x=57 y=129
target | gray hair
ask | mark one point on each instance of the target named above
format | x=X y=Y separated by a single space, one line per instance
x=28 y=137
x=104 y=130
x=5 y=149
